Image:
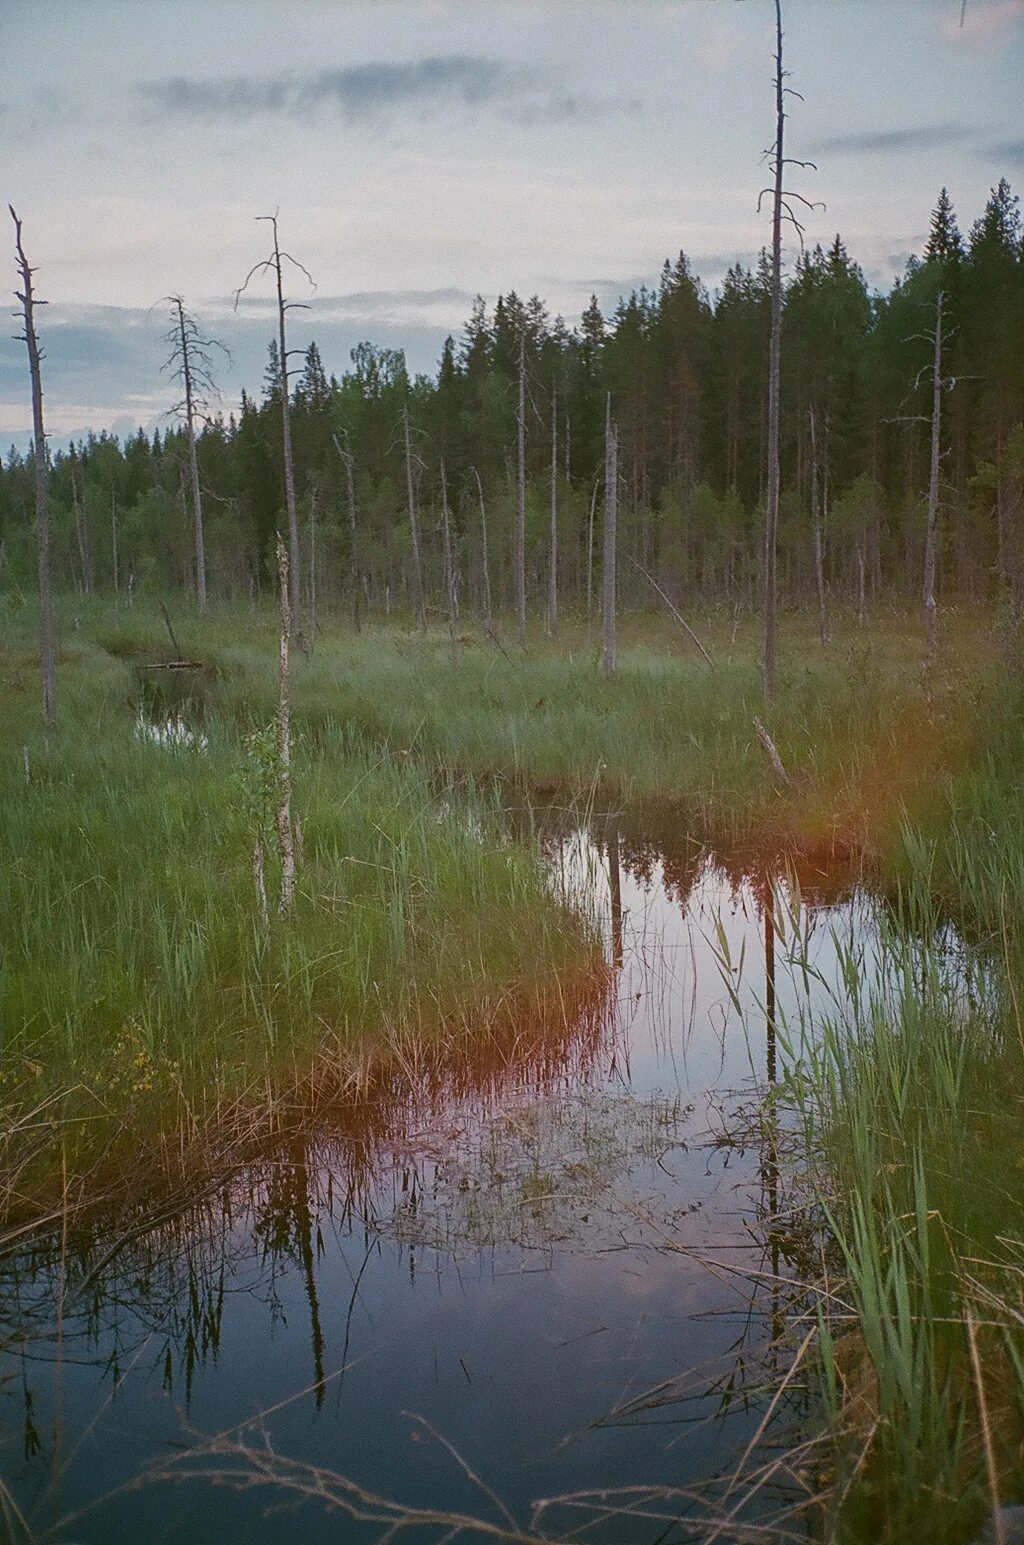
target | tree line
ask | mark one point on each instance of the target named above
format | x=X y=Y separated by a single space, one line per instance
x=483 y=488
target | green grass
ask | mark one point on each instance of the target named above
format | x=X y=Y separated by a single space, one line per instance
x=138 y=980
x=140 y=993
x=911 y=1101
x=850 y=721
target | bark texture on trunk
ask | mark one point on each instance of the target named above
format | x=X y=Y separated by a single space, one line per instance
x=485 y=563
x=418 y=598
x=553 y=555
x=451 y=600
x=819 y=554
x=193 y=460
x=771 y=523
x=46 y=651
x=521 y=497
x=285 y=835
x=611 y=488
x=932 y=526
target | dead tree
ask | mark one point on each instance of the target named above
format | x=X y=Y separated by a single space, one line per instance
x=285 y=834
x=932 y=526
x=313 y=624
x=611 y=488
x=484 y=559
x=29 y=303
x=418 y=597
x=819 y=555
x=782 y=209
x=590 y=547
x=521 y=496
x=275 y=264
x=83 y=535
x=553 y=555
x=350 y=489
x=451 y=600
x=191 y=363
x=771 y=522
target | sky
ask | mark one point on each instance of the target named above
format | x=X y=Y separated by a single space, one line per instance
x=422 y=151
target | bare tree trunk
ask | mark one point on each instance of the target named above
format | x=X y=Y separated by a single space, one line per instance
x=190 y=430
x=931 y=530
x=862 y=603
x=521 y=497
x=484 y=559
x=771 y=524
x=275 y=261
x=819 y=557
x=449 y=571
x=294 y=570
x=312 y=564
x=46 y=652
x=590 y=549
x=553 y=571
x=350 y=488
x=285 y=838
x=611 y=482
x=113 y=537
x=83 y=536
x=259 y=879
x=419 y=602
x=353 y=535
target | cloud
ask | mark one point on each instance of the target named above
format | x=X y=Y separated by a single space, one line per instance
x=983 y=24
x=102 y=363
x=894 y=141
x=371 y=306
x=1011 y=151
x=519 y=91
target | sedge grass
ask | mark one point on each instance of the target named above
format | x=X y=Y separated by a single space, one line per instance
x=141 y=994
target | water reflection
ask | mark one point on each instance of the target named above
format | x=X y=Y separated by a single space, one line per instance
x=170 y=731
x=567 y=1251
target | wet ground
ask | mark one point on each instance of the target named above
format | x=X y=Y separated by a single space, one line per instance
x=556 y=1272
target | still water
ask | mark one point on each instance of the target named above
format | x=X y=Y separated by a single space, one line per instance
x=556 y=1272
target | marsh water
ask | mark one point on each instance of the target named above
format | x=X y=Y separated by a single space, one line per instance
x=555 y=1269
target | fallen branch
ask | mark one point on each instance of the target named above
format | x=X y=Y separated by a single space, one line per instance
x=490 y=634
x=681 y=620
x=768 y=746
x=173 y=665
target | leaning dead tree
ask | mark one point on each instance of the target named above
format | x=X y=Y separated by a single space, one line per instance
x=29 y=302
x=191 y=363
x=611 y=489
x=485 y=565
x=274 y=264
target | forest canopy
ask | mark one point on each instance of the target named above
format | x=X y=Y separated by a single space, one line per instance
x=686 y=370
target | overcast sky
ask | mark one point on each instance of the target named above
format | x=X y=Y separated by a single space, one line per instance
x=420 y=151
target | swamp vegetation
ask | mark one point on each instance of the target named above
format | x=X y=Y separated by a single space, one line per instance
x=438 y=1050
